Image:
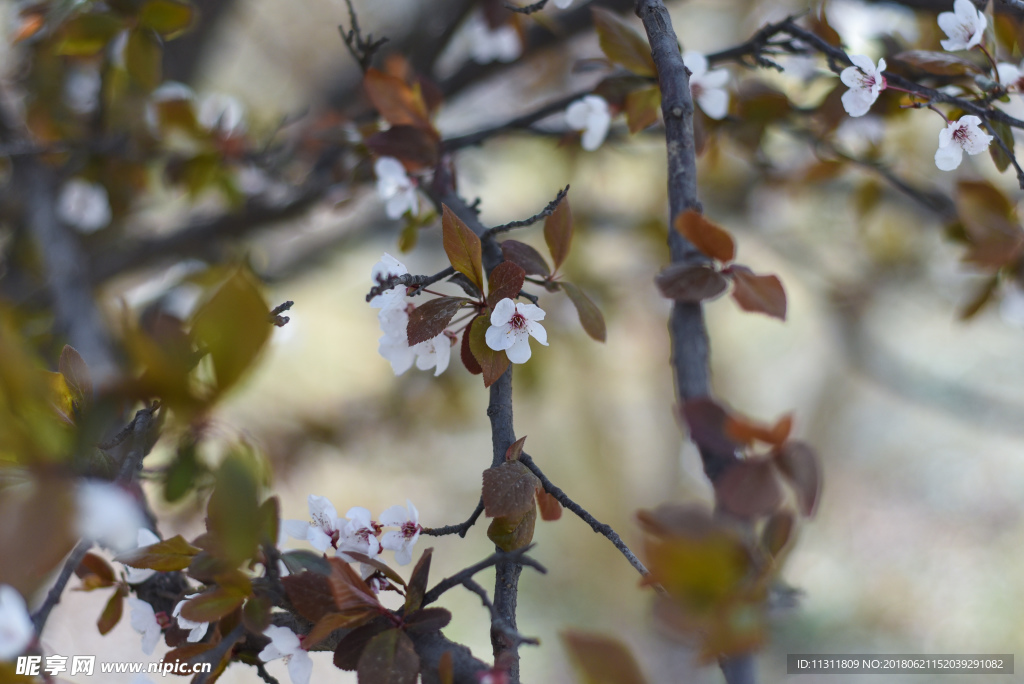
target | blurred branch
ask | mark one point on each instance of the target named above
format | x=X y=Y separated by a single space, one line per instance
x=183 y=56
x=518 y=123
x=361 y=49
x=461 y=529
x=599 y=527
x=42 y=613
x=526 y=9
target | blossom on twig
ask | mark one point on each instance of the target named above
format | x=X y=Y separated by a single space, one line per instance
x=512 y=325
x=592 y=116
x=324 y=528
x=108 y=515
x=145 y=623
x=285 y=644
x=964 y=135
x=965 y=26
x=395 y=187
x=707 y=87
x=402 y=540
x=486 y=44
x=865 y=81
x=198 y=629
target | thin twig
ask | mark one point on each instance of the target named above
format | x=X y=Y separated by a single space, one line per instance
x=361 y=49
x=498 y=622
x=461 y=529
x=527 y=9
x=548 y=210
x=408 y=280
x=520 y=122
x=261 y=670
x=518 y=556
x=275 y=316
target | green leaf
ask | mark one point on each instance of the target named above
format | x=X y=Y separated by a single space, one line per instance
x=87 y=34
x=270 y=520
x=558 y=232
x=389 y=658
x=690 y=282
x=462 y=247
x=505 y=282
x=622 y=44
x=429 y=320
x=760 y=294
x=182 y=472
x=233 y=327
x=511 y=533
x=256 y=614
x=143 y=57
x=213 y=605
x=590 y=316
x=509 y=490
x=642 y=107
x=233 y=511
x=529 y=259
x=165 y=556
x=493 y=364
x=601 y=660
x=166 y=17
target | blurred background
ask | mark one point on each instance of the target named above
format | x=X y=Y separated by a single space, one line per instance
x=917 y=543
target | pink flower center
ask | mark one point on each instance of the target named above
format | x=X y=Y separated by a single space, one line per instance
x=409 y=529
x=961 y=136
x=518 y=321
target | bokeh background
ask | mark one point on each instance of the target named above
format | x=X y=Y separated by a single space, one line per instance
x=917 y=416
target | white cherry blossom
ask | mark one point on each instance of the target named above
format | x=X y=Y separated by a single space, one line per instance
x=324 y=529
x=592 y=116
x=285 y=644
x=707 y=87
x=145 y=623
x=360 y=533
x=964 y=26
x=108 y=515
x=434 y=353
x=865 y=81
x=1011 y=76
x=395 y=187
x=401 y=541
x=512 y=325
x=16 y=630
x=486 y=44
x=140 y=575
x=385 y=268
x=198 y=629
x=83 y=205
x=394 y=343
x=964 y=135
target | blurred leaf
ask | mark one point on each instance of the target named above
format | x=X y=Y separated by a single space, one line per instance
x=509 y=490
x=690 y=282
x=749 y=488
x=937 y=63
x=515 y=450
x=982 y=297
x=622 y=44
x=87 y=34
x=601 y=660
x=707 y=236
x=990 y=221
x=30 y=25
x=590 y=316
x=143 y=57
x=462 y=247
x=493 y=364
x=94 y=566
x=759 y=294
x=429 y=320
x=526 y=257
x=427 y=620
x=777 y=532
x=112 y=611
x=297 y=561
x=417 y=587
x=256 y=614
x=166 y=17
x=707 y=423
x=550 y=509
x=269 y=515
x=466 y=354
x=505 y=282
x=62 y=398
x=415 y=147
x=351 y=646
x=558 y=232
x=746 y=432
x=213 y=604
x=164 y=556
x=999 y=157
x=511 y=533
x=233 y=510
x=351 y=594
x=182 y=472
x=642 y=107
x=310 y=593
x=233 y=327
x=76 y=373
x=446 y=668
x=395 y=101
x=389 y=658
x=799 y=463
x=408 y=238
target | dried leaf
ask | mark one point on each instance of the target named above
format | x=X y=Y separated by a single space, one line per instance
x=798 y=462
x=429 y=320
x=462 y=247
x=690 y=282
x=601 y=660
x=707 y=236
x=529 y=259
x=509 y=490
x=558 y=232
x=590 y=316
x=760 y=294
x=622 y=44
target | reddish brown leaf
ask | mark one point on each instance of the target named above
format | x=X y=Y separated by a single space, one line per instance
x=513 y=532
x=749 y=489
x=505 y=282
x=746 y=432
x=550 y=509
x=351 y=593
x=990 y=223
x=416 y=147
x=93 y=565
x=388 y=571
x=601 y=660
x=515 y=450
x=346 y=655
x=760 y=294
x=468 y=360
x=777 y=532
x=462 y=247
x=330 y=622
x=165 y=556
x=428 y=620
x=509 y=489
x=395 y=101
x=493 y=364
x=417 y=587
x=529 y=259
x=710 y=238
x=185 y=653
x=429 y=320
x=590 y=316
x=690 y=282
x=389 y=658
x=799 y=464
x=310 y=593
x=558 y=232
x=622 y=44
x=112 y=612
x=642 y=107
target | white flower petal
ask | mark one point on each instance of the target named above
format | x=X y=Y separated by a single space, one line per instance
x=696 y=62
x=300 y=667
x=864 y=63
x=296 y=529
x=948 y=157
x=108 y=515
x=538 y=332
x=714 y=103
x=503 y=312
x=858 y=102
x=498 y=337
x=531 y=312
x=16 y=629
x=520 y=351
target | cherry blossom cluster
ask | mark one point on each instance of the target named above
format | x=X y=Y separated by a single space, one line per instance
x=394 y=321
x=965 y=30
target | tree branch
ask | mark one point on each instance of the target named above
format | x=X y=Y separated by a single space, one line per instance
x=548 y=211
x=497 y=621
x=42 y=614
x=461 y=529
x=498 y=557
x=520 y=122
